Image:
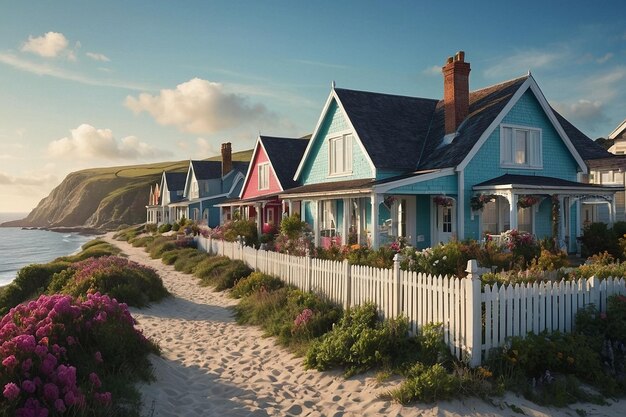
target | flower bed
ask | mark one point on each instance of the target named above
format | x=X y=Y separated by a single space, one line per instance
x=62 y=355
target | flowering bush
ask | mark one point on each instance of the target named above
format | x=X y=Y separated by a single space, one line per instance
x=58 y=355
x=522 y=244
x=118 y=277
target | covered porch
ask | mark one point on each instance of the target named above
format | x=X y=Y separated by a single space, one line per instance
x=542 y=206
x=266 y=211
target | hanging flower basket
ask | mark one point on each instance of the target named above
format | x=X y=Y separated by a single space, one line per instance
x=477 y=203
x=525 y=201
x=443 y=201
x=388 y=201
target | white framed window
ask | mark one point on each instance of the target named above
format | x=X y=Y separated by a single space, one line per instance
x=520 y=147
x=270 y=215
x=329 y=227
x=340 y=155
x=264 y=176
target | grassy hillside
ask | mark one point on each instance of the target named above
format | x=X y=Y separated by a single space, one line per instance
x=104 y=198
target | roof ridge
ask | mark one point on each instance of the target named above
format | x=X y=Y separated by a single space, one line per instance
x=511 y=81
x=386 y=94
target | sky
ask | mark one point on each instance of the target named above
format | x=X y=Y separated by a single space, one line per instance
x=92 y=83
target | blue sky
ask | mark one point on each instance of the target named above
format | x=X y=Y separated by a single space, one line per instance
x=88 y=83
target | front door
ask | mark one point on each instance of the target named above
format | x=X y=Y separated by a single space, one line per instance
x=445 y=223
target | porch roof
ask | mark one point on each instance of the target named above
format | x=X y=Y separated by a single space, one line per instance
x=351 y=187
x=181 y=203
x=542 y=185
x=242 y=202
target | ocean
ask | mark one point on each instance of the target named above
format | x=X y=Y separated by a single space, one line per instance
x=19 y=248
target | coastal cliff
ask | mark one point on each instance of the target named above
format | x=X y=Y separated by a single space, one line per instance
x=103 y=198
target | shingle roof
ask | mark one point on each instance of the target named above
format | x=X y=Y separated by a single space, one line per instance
x=392 y=128
x=206 y=170
x=175 y=182
x=326 y=187
x=405 y=133
x=285 y=155
x=534 y=180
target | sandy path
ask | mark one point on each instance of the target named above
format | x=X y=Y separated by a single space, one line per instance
x=210 y=366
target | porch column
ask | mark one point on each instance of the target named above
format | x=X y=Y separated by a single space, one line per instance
x=562 y=209
x=612 y=210
x=345 y=227
x=259 y=220
x=290 y=204
x=513 y=210
x=394 y=218
x=376 y=199
x=316 y=222
x=578 y=226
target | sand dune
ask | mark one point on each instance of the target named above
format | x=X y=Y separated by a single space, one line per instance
x=210 y=366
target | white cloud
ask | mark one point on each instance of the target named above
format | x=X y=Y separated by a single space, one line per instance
x=98 y=57
x=52 y=71
x=200 y=106
x=87 y=142
x=49 y=45
x=589 y=113
x=519 y=62
x=206 y=148
x=434 y=70
x=37 y=180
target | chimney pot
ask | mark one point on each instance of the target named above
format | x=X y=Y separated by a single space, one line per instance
x=455 y=91
x=227 y=158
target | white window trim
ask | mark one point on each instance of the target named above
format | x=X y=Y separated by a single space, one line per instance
x=521 y=166
x=340 y=137
x=265 y=171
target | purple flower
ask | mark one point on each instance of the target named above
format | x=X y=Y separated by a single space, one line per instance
x=11 y=391
x=25 y=342
x=103 y=398
x=29 y=386
x=59 y=405
x=51 y=392
x=27 y=364
x=70 y=398
x=95 y=381
x=98 y=357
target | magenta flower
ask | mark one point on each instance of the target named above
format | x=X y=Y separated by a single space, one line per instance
x=10 y=362
x=11 y=391
x=27 y=364
x=59 y=405
x=98 y=357
x=95 y=381
x=29 y=386
x=51 y=392
x=103 y=398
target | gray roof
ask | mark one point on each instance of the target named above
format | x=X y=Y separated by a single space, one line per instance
x=285 y=155
x=207 y=170
x=175 y=182
x=405 y=133
x=534 y=180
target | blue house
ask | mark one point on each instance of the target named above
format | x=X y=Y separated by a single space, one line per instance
x=380 y=166
x=209 y=183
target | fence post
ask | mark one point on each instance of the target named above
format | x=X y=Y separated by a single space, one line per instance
x=473 y=310
x=594 y=292
x=210 y=247
x=309 y=270
x=347 y=285
x=397 y=286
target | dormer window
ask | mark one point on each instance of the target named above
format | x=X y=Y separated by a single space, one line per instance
x=264 y=176
x=520 y=147
x=340 y=155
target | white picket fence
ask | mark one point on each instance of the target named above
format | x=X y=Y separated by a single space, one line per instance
x=474 y=319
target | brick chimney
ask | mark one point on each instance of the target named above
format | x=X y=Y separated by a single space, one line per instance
x=455 y=91
x=227 y=158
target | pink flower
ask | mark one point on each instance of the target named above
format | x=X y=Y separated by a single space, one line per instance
x=98 y=357
x=11 y=391
x=10 y=362
x=70 y=398
x=103 y=398
x=27 y=364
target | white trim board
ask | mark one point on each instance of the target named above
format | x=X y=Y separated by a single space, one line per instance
x=531 y=84
x=428 y=175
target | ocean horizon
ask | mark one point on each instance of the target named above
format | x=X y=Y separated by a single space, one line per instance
x=19 y=247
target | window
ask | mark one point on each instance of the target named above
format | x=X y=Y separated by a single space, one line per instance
x=328 y=218
x=270 y=215
x=340 y=150
x=264 y=176
x=520 y=147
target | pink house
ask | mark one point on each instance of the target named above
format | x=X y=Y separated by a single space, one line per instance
x=271 y=171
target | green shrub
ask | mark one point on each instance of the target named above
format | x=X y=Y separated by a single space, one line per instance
x=427 y=384
x=127 y=233
x=95 y=250
x=230 y=275
x=361 y=341
x=176 y=226
x=188 y=259
x=141 y=241
x=254 y=282
x=294 y=316
x=160 y=245
x=30 y=282
x=292 y=227
x=210 y=266
x=598 y=238
x=245 y=228
x=124 y=280
x=164 y=228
